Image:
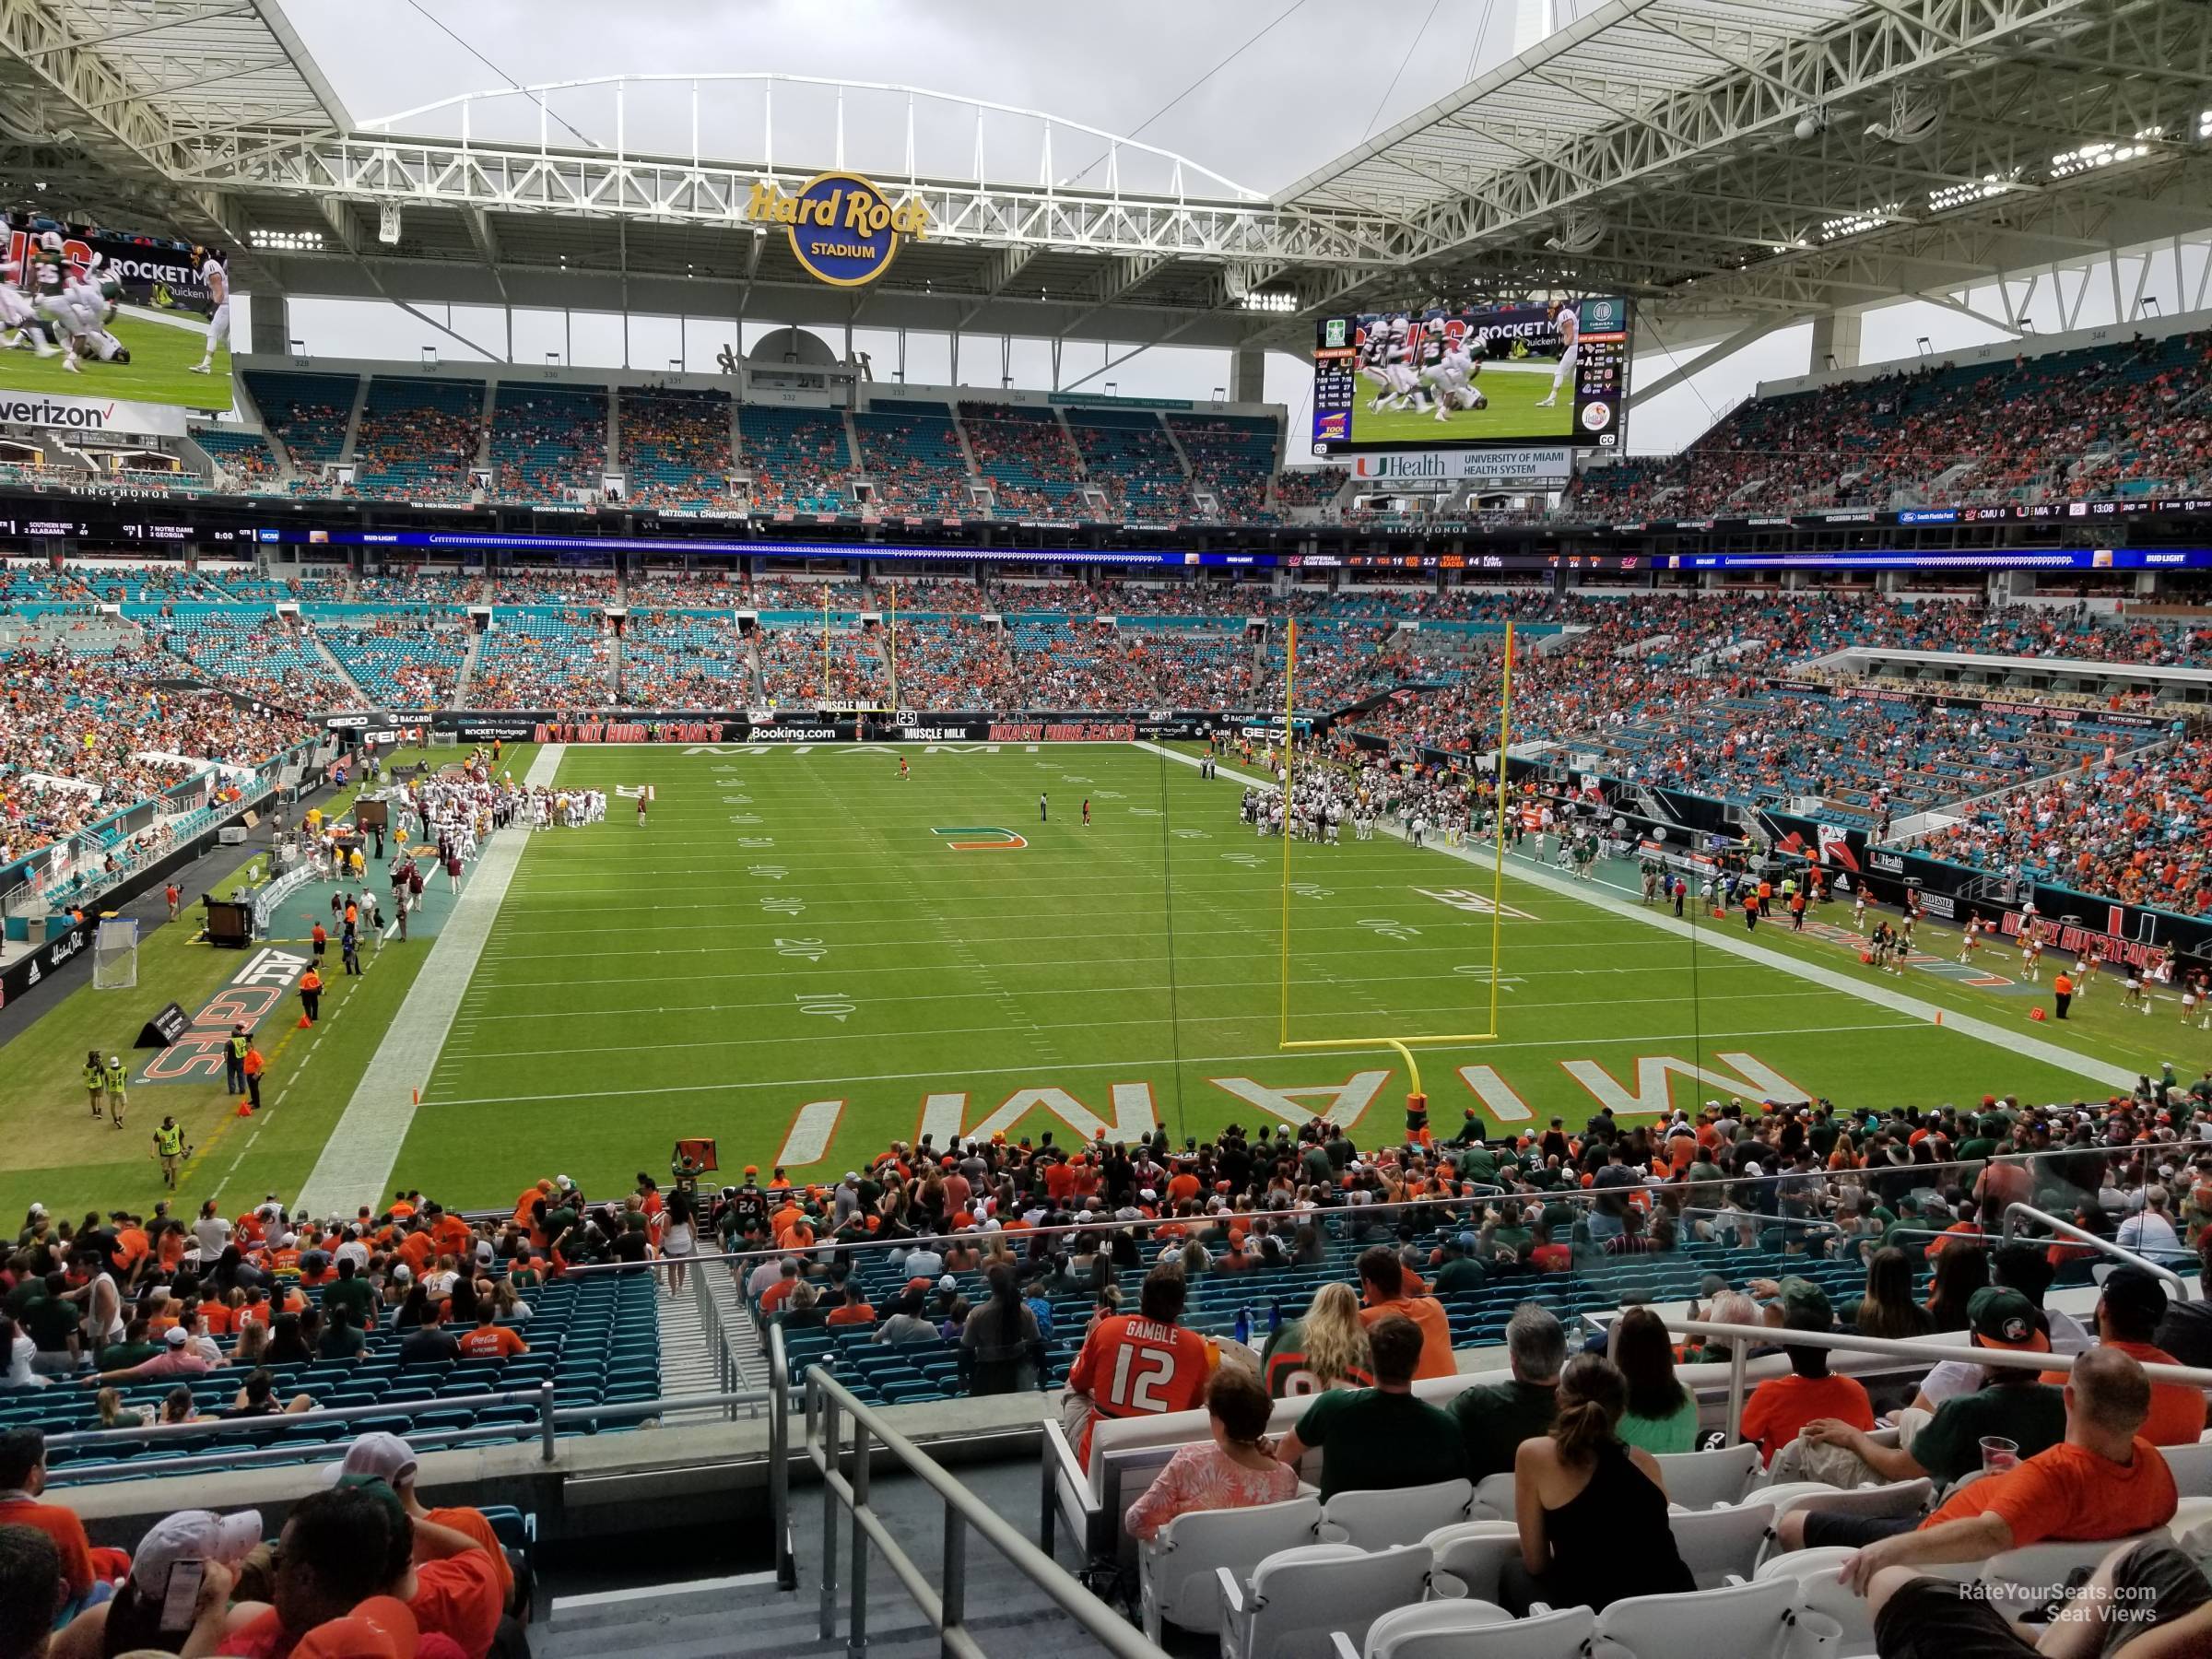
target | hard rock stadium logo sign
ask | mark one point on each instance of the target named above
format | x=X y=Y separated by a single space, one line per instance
x=843 y=229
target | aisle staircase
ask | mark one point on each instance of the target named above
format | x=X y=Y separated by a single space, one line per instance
x=469 y=669
x=747 y=1614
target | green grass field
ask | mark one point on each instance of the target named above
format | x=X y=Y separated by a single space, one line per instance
x=159 y=369
x=1514 y=390
x=796 y=958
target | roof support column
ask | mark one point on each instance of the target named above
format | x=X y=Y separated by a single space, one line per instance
x=1835 y=341
x=272 y=317
x=1248 y=374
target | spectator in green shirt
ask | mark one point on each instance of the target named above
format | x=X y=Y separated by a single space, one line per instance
x=1494 y=1419
x=1459 y=1271
x=351 y=1291
x=1380 y=1438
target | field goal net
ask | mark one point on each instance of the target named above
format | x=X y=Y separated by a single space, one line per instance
x=115 y=955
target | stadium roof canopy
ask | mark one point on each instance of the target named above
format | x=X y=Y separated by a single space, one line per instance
x=1734 y=164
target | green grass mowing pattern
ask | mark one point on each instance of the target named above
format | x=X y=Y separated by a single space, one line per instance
x=159 y=369
x=689 y=977
x=1513 y=392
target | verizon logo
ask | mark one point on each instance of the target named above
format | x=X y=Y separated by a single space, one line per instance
x=26 y=411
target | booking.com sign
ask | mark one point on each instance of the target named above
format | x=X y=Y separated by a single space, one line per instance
x=843 y=230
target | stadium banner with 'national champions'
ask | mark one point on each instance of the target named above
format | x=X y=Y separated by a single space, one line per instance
x=809 y=726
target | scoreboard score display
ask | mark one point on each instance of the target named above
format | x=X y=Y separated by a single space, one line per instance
x=1472 y=376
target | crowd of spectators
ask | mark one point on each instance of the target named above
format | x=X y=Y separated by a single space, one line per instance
x=543 y=657
x=73 y=741
x=2139 y=830
x=2111 y=420
x=799 y=665
x=676 y=448
x=679 y=660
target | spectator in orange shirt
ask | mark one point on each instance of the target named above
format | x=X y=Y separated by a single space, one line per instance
x=491 y=1340
x=1382 y=1287
x=855 y=1309
x=2104 y=1480
x=1781 y=1407
x=2128 y=1314
x=22 y=1479
x=777 y=1294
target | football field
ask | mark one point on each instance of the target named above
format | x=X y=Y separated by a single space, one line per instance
x=162 y=354
x=1513 y=390
x=804 y=956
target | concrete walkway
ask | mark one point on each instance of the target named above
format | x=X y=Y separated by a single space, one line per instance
x=1601 y=895
x=356 y=1160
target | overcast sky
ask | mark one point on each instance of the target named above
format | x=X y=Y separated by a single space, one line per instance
x=1275 y=106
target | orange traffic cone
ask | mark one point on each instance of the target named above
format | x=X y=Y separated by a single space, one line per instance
x=244 y=1110
x=305 y=1022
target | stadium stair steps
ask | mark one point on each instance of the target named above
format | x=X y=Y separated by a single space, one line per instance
x=1006 y=1614
x=353 y=421
x=338 y=668
x=485 y=416
x=469 y=669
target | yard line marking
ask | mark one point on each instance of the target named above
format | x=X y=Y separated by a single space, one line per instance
x=1031 y=1068
x=992 y=988
x=1718 y=938
x=356 y=1161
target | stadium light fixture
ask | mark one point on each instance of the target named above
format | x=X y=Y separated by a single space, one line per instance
x=1859 y=223
x=1278 y=304
x=287 y=241
x=2109 y=152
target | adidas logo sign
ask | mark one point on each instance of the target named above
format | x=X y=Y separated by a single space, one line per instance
x=34 y=975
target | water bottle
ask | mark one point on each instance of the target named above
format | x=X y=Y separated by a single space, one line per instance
x=1244 y=1324
x=1274 y=1317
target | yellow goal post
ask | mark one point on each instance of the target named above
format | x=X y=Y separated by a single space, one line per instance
x=1499 y=792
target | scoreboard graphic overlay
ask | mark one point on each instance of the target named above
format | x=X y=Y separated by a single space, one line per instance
x=1472 y=377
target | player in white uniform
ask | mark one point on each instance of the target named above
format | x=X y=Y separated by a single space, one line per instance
x=1372 y=338
x=1567 y=321
x=1398 y=369
x=1452 y=378
x=49 y=283
x=218 y=279
x=18 y=322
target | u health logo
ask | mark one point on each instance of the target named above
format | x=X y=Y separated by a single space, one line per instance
x=843 y=229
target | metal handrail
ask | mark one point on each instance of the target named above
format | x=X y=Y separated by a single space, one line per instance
x=1742 y=1338
x=828 y=1402
x=779 y=1460
x=550 y=1420
x=2016 y=1212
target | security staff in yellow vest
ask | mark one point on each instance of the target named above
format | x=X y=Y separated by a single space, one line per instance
x=234 y=1059
x=115 y=1079
x=169 y=1147
x=96 y=1079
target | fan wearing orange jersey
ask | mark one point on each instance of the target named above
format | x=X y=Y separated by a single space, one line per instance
x=1134 y=1364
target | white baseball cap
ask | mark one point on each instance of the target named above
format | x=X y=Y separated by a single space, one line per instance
x=192 y=1536
x=377 y=1456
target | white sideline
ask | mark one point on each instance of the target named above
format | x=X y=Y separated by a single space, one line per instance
x=356 y=1160
x=1719 y=937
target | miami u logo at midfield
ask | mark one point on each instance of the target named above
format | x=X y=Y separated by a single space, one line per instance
x=985 y=837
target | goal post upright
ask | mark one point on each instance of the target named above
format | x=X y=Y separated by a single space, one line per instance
x=1402 y=1045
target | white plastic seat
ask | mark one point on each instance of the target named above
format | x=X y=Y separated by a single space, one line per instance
x=1474 y=1552
x=1699 y=1479
x=1494 y=1497
x=1177 y=1581
x=1472 y=1630
x=1818 y=1574
x=1378 y=1519
x=1722 y=1542
x=2192 y=1468
x=1898 y=1498
x=1743 y=1621
x=1297 y=1598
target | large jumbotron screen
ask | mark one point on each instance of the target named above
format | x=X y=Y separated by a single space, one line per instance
x=131 y=311
x=1474 y=375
